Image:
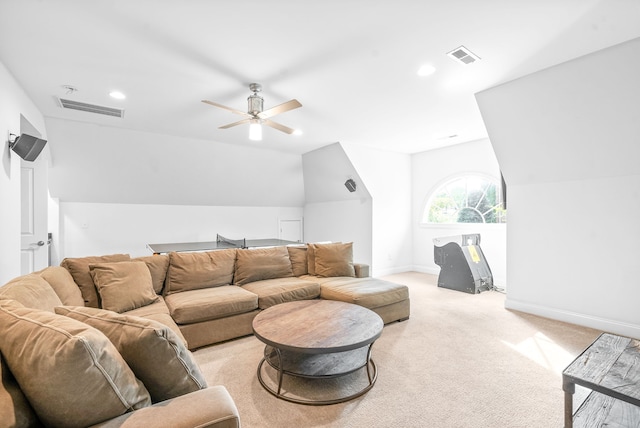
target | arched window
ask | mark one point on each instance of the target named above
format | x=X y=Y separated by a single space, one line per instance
x=467 y=199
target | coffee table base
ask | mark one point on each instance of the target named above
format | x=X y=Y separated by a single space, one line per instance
x=317 y=366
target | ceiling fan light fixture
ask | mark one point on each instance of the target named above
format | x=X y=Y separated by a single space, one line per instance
x=255 y=131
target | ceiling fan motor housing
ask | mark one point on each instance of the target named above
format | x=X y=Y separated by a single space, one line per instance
x=254 y=104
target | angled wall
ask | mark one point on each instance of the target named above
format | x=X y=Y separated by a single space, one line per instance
x=566 y=139
x=118 y=190
x=388 y=179
x=331 y=212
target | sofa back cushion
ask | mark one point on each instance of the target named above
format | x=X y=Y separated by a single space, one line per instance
x=298 y=257
x=15 y=410
x=63 y=284
x=79 y=269
x=158 y=265
x=32 y=291
x=193 y=271
x=123 y=286
x=334 y=259
x=157 y=356
x=256 y=264
x=70 y=372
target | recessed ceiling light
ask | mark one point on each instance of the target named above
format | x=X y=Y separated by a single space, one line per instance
x=117 y=95
x=297 y=132
x=426 y=70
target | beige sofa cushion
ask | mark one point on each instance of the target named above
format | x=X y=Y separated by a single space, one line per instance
x=280 y=290
x=123 y=286
x=79 y=269
x=72 y=375
x=158 y=265
x=63 y=284
x=334 y=259
x=368 y=292
x=32 y=291
x=156 y=355
x=158 y=311
x=207 y=408
x=210 y=303
x=298 y=257
x=15 y=410
x=256 y=264
x=311 y=259
x=193 y=271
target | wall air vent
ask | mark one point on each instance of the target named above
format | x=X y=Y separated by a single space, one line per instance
x=91 y=108
x=463 y=55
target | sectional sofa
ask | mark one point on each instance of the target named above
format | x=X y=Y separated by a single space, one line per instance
x=154 y=310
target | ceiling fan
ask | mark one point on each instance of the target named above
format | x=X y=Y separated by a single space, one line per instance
x=255 y=116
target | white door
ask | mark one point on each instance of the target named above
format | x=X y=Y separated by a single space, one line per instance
x=291 y=230
x=34 y=252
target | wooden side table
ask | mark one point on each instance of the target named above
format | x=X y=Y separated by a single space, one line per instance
x=610 y=368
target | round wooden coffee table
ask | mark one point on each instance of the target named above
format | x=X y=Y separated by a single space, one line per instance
x=317 y=339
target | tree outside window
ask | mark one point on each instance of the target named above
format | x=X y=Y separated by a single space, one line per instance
x=468 y=199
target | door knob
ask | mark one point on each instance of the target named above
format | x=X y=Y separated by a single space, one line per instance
x=40 y=243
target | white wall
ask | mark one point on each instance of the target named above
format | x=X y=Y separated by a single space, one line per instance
x=432 y=169
x=13 y=103
x=388 y=179
x=118 y=190
x=341 y=221
x=96 y=228
x=112 y=165
x=331 y=212
x=567 y=140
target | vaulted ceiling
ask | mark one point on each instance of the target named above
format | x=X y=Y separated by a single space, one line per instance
x=351 y=63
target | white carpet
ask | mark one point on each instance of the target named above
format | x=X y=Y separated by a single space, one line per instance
x=461 y=360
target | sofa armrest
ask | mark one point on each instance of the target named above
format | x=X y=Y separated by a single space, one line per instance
x=362 y=270
x=210 y=407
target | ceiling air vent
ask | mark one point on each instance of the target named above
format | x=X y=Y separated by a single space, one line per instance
x=463 y=55
x=91 y=108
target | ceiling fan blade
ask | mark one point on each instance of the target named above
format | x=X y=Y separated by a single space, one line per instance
x=289 y=105
x=240 y=122
x=232 y=110
x=278 y=126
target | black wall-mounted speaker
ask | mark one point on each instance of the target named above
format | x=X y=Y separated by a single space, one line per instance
x=28 y=147
x=350 y=185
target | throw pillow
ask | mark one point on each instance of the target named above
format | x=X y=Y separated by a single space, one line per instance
x=123 y=286
x=193 y=271
x=32 y=291
x=256 y=264
x=70 y=372
x=15 y=410
x=79 y=269
x=158 y=265
x=334 y=259
x=298 y=257
x=63 y=284
x=157 y=356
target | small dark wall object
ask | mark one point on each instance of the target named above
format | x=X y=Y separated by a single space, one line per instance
x=27 y=146
x=350 y=185
x=462 y=263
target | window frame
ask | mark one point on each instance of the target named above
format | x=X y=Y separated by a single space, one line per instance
x=496 y=180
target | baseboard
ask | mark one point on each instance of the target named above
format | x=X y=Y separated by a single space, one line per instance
x=391 y=271
x=425 y=269
x=602 y=324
